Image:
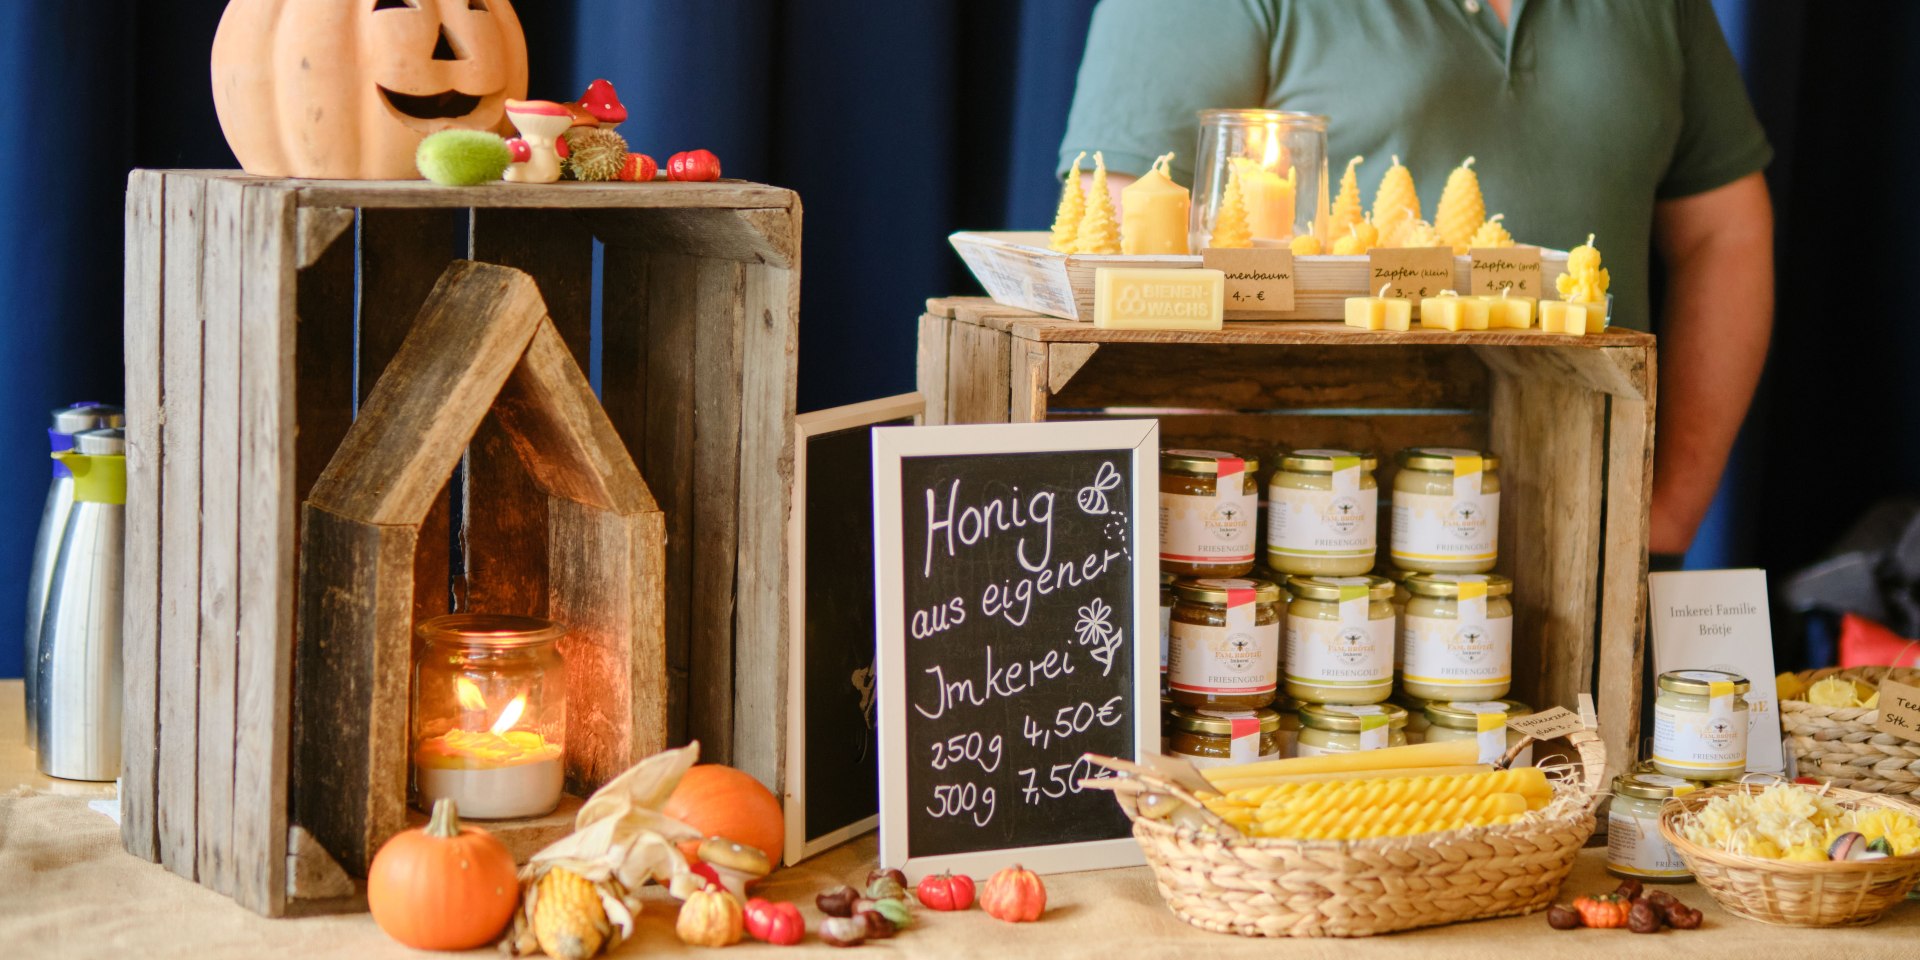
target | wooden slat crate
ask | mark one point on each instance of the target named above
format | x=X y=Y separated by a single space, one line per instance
x=1570 y=417
x=260 y=314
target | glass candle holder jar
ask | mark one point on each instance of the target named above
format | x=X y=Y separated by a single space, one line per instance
x=1340 y=639
x=1278 y=161
x=1446 y=511
x=1328 y=728
x=1320 y=507
x=1700 y=725
x=489 y=715
x=1225 y=650
x=1456 y=636
x=1219 y=738
x=1208 y=501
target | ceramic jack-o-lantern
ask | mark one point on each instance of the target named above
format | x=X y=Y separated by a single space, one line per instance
x=541 y=123
x=347 y=89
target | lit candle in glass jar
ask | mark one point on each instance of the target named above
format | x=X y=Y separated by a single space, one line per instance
x=492 y=765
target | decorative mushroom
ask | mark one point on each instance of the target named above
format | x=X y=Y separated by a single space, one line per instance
x=540 y=122
x=604 y=104
x=735 y=863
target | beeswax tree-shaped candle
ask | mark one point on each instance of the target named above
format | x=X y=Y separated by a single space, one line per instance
x=1099 y=231
x=1346 y=204
x=1586 y=280
x=1492 y=234
x=1360 y=238
x=1073 y=206
x=1461 y=209
x=1230 y=221
x=1420 y=233
x=1396 y=205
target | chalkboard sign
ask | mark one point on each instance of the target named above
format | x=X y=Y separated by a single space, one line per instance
x=1018 y=611
x=832 y=782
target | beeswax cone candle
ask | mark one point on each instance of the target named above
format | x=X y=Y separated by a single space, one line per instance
x=1230 y=228
x=1073 y=206
x=1154 y=212
x=1396 y=205
x=1380 y=313
x=1492 y=234
x=1461 y=209
x=1346 y=204
x=1098 y=231
x=1360 y=238
x=1586 y=282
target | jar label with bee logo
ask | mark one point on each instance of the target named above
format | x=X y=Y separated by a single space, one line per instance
x=1636 y=848
x=1336 y=522
x=1461 y=652
x=1210 y=529
x=1353 y=651
x=1241 y=657
x=1430 y=527
x=1707 y=740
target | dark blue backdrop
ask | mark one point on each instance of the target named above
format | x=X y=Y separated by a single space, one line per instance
x=899 y=122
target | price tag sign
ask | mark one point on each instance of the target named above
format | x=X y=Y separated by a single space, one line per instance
x=1899 y=710
x=1410 y=273
x=1259 y=279
x=1547 y=724
x=1516 y=269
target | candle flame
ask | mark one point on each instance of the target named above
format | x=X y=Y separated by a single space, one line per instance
x=468 y=693
x=1271 y=159
x=511 y=715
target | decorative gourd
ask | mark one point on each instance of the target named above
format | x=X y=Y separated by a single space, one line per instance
x=347 y=90
x=443 y=886
x=1015 y=895
x=718 y=800
x=709 y=918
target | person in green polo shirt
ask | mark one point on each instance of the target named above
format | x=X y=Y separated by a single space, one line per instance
x=1621 y=118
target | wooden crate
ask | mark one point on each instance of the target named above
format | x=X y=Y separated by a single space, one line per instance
x=260 y=314
x=1570 y=417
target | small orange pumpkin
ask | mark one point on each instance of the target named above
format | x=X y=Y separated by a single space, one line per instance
x=1015 y=895
x=443 y=886
x=347 y=89
x=719 y=801
x=710 y=918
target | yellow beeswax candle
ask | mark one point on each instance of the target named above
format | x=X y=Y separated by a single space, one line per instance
x=1418 y=233
x=1562 y=316
x=1346 y=205
x=1461 y=209
x=1492 y=234
x=1305 y=245
x=1585 y=283
x=1380 y=313
x=1359 y=238
x=1269 y=199
x=1396 y=204
x=1507 y=312
x=1451 y=311
x=1098 y=231
x=1230 y=228
x=1073 y=206
x=1153 y=212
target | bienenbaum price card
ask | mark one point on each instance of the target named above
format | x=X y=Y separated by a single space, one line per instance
x=1718 y=620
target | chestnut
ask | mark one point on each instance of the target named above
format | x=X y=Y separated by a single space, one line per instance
x=1643 y=918
x=1562 y=917
x=837 y=902
x=843 y=931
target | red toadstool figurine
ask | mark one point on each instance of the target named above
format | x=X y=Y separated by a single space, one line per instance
x=603 y=104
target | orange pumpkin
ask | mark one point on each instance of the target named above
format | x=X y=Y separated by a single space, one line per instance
x=443 y=886
x=1015 y=895
x=719 y=801
x=347 y=89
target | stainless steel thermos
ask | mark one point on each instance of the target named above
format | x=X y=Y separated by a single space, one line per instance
x=67 y=421
x=77 y=693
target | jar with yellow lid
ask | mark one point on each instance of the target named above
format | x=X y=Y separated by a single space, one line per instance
x=1320 y=513
x=1460 y=720
x=1340 y=639
x=1328 y=728
x=1446 y=510
x=1700 y=725
x=1223 y=651
x=1456 y=636
x=1218 y=738
x=1208 y=503
x=1166 y=624
x=1635 y=847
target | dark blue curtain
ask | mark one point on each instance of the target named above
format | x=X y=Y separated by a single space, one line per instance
x=900 y=122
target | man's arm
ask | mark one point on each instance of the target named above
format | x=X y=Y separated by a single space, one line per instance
x=1718 y=248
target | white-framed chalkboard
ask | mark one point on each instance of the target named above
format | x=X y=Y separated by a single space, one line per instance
x=831 y=786
x=1017 y=587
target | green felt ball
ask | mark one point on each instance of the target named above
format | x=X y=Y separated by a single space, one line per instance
x=462 y=158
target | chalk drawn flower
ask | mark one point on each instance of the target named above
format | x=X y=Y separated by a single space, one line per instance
x=1095 y=629
x=1093 y=497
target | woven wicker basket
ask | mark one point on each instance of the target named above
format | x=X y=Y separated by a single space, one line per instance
x=1794 y=894
x=1257 y=887
x=1840 y=742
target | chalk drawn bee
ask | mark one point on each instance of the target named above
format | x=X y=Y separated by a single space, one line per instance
x=1093 y=498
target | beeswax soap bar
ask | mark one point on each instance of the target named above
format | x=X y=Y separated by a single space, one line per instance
x=1132 y=298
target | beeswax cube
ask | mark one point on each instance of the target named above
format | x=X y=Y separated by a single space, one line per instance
x=1133 y=298
x=1509 y=313
x=1452 y=312
x=1559 y=316
x=1379 y=313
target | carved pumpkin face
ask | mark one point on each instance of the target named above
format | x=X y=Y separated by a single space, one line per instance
x=347 y=89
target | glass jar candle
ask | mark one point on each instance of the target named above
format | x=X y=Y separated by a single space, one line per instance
x=1460 y=720
x=1446 y=511
x=1208 y=501
x=1278 y=160
x=1320 y=513
x=1224 y=651
x=489 y=715
x=1327 y=728
x=1340 y=639
x=1700 y=725
x=1166 y=624
x=1456 y=636
x=1219 y=738
x=1635 y=847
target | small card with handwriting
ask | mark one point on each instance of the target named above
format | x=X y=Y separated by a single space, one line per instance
x=1717 y=620
x=1410 y=273
x=1259 y=279
x=1514 y=269
x=1547 y=724
x=1899 y=710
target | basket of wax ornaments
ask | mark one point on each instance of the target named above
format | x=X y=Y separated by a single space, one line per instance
x=1795 y=854
x=1357 y=844
x=1829 y=715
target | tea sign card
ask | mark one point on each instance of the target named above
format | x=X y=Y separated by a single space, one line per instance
x=1718 y=620
x=1017 y=585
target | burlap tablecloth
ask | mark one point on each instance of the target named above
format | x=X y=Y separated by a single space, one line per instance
x=68 y=891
